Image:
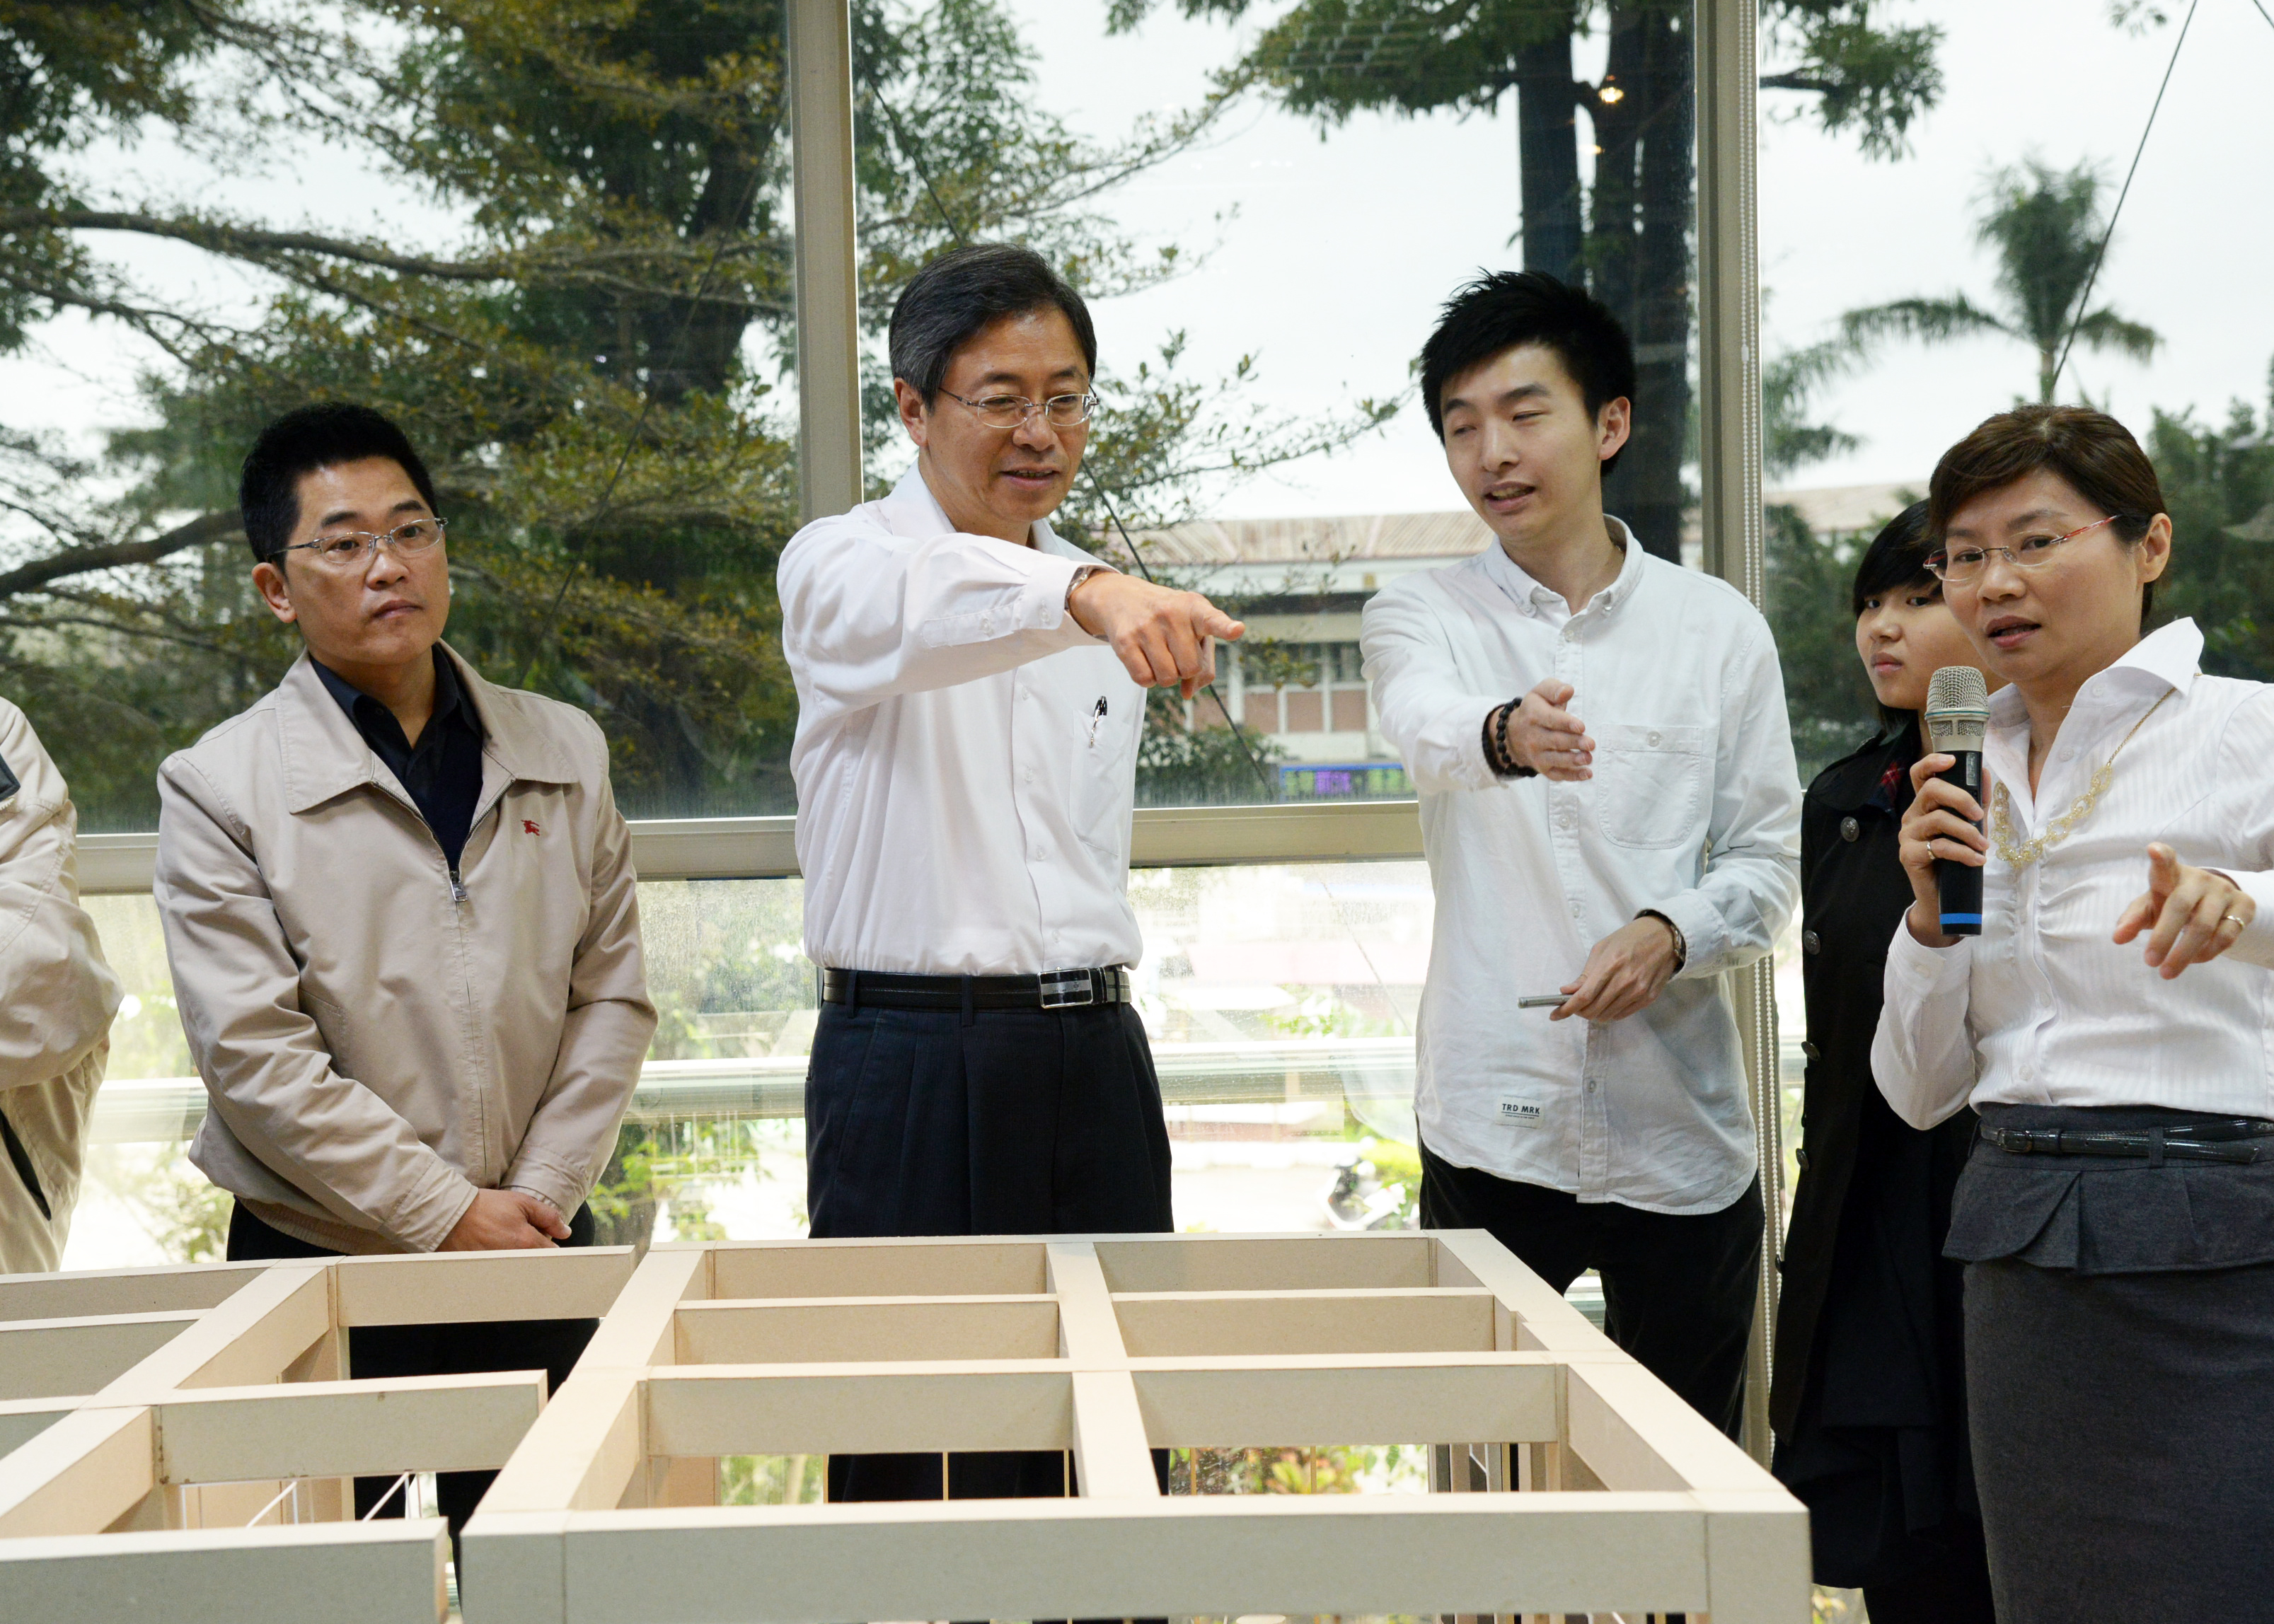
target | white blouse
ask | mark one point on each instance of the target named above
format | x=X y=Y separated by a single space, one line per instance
x=2043 y=1008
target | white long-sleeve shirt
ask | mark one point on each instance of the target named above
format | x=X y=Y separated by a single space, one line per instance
x=2043 y=1008
x=966 y=755
x=1693 y=811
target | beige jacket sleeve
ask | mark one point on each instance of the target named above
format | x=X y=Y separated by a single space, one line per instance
x=265 y=1064
x=605 y=1036
x=58 y=992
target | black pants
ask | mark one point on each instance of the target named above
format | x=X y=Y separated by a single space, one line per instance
x=1006 y=1122
x=379 y=1351
x=1678 y=1291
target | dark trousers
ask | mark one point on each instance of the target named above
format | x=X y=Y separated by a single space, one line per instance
x=378 y=1352
x=1678 y=1291
x=1003 y=1122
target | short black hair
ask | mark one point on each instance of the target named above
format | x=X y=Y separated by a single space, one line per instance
x=964 y=290
x=302 y=442
x=1505 y=310
x=1895 y=559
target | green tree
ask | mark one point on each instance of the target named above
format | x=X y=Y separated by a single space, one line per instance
x=1628 y=235
x=2047 y=231
x=1827 y=698
x=2219 y=483
x=591 y=357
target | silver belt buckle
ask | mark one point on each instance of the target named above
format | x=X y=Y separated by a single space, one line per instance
x=1067 y=989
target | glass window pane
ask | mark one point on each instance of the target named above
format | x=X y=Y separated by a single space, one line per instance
x=1266 y=207
x=556 y=250
x=1280 y=1000
x=1933 y=253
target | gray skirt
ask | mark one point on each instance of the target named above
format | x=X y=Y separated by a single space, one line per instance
x=2120 y=1369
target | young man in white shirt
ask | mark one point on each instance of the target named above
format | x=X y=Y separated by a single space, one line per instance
x=971 y=691
x=1611 y=813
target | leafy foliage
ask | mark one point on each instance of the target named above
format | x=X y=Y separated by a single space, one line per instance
x=2047 y=231
x=589 y=363
x=2219 y=485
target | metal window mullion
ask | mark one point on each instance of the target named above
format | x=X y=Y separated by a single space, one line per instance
x=828 y=303
x=1730 y=421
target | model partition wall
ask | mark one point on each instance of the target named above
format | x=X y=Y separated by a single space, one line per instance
x=202 y=1475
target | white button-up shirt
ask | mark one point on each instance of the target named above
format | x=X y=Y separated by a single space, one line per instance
x=1693 y=811
x=2043 y=1008
x=966 y=755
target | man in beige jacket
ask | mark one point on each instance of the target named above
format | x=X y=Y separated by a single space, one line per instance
x=400 y=909
x=58 y=996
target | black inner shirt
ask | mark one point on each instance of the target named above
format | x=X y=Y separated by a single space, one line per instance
x=442 y=773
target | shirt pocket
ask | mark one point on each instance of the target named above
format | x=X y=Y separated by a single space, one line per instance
x=1650 y=783
x=1104 y=785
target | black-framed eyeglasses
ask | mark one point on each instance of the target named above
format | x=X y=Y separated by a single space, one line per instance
x=352 y=549
x=1011 y=411
x=1963 y=564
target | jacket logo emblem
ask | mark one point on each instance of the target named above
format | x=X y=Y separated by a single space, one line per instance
x=529 y=824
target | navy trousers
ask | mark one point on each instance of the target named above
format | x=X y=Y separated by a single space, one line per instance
x=1001 y=1122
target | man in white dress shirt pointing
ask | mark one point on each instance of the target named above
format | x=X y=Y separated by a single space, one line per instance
x=1610 y=812
x=970 y=697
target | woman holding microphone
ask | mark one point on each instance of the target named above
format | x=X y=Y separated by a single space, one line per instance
x=2111 y=1025
x=1869 y=1403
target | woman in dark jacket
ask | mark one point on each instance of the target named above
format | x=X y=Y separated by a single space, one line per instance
x=1868 y=1404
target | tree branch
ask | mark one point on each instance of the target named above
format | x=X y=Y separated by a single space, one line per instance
x=82 y=560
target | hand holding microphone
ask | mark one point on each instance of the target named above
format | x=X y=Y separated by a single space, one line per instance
x=1942 y=846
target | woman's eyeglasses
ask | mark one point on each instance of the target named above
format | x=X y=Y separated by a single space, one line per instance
x=1958 y=565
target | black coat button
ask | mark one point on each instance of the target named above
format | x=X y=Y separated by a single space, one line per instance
x=1849 y=829
x=1811 y=1051
x=1810 y=943
x=1801 y=1156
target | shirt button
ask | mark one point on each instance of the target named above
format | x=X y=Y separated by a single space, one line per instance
x=1849 y=828
x=1590 y=1087
x=1654 y=740
x=1809 y=943
x=1575 y=910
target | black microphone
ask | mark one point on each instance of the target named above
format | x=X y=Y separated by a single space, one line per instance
x=1957 y=716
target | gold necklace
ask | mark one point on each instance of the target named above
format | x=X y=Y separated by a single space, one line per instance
x=2058 y=830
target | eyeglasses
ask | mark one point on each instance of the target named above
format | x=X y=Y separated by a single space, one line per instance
x=1962 y=565
x=1011 y=411
x=352 y=549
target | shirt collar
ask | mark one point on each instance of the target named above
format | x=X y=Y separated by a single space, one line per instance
x=913 y=511
x=450 y=699
x=2168 y=658
x=1531 y=595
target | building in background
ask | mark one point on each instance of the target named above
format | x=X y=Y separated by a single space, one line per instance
x=1295 y=681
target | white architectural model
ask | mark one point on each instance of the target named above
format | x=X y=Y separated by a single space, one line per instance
x=174 y=1442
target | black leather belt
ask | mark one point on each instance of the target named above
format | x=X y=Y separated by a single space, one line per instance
x=2235 y=1139
x=1052 y=989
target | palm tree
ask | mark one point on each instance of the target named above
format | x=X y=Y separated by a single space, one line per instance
x=2046 y=229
